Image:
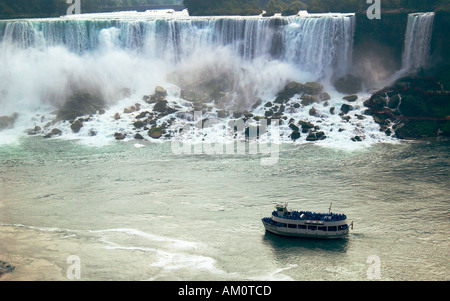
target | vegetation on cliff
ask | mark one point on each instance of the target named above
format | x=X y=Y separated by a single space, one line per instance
x=55 y=8
x=412 y=108
x=291 y=7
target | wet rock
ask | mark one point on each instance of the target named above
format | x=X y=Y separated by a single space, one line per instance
x=394 y=102
x=295 y=135
x=159 y=95
x=357 y=139
x=222 y=114
x=290 y=90
x=160 y=92
x=53 y=132
x=268 y=104
x=345 y=108
x=117 y=116
x=294 y=127
x=348 y=84
x=129 y=110
x=309 y=99
x=37 y=129
x=155 y=133
x=142 y=115
x=138 y=124
x=293 y=88
x=350 y=98
x=312 y=88
x=160 y=106
x=7 y=122
x=92 y=132
x=268 y=113
x=332 y=109
x=119 y=136
x=324 y=96
x=237 y=114
x=346 y=118
x=76 y=126
x=305 y=126
x=80 y=103
x=315 y=136
x=313 y=112
x=138 y=137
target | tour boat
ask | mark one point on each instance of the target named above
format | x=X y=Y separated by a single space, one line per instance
x=307 y=224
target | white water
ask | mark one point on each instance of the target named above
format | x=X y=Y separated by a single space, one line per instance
x=417 y=41
x=416 y=49
x=43 y=60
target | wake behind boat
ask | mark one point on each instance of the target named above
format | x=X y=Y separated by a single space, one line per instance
x=306 y=224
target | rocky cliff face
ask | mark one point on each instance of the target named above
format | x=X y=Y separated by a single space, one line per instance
x=378 y=46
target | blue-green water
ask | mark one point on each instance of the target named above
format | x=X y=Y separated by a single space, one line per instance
x=144 y=213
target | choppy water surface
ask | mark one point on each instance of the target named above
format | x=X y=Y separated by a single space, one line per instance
x=143 y=213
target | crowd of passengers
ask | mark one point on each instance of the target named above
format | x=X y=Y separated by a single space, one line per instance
x=307 y=215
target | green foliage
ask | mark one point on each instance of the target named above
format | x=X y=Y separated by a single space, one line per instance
x=55 y=8
x=222 y=7
x=446 y=128
x=413 y=106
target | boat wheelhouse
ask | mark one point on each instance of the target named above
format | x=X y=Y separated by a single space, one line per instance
x=306 y=224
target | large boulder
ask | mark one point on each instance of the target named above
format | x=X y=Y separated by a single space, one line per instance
x=312 y=88
x=155 y=133
x=7 y=122
x=160 y=106
x=81 y=103
x=350 y=98
x=53 y=132
x=309 y=99
x=348 y=84
x=160 y=92
x=77 y=125
x=345 y=108
x=290 y=90
x=314 y=136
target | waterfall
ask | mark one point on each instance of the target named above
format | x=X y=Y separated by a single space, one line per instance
x=417 y=41
x=320 y=45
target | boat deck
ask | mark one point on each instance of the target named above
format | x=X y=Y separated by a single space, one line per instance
x=307 y=215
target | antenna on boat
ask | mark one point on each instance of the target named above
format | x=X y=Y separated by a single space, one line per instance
x=329 y=209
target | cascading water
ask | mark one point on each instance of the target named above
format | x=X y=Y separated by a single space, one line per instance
x=417 y=41
x=315 y=44
x=253 y=58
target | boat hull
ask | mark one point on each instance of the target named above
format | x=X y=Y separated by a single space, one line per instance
x=284 y=231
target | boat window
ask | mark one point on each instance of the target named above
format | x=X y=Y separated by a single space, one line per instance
x=292 y=226
x=322 y=228
x=302 y=226
x=312 y=227
x=332 y=228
